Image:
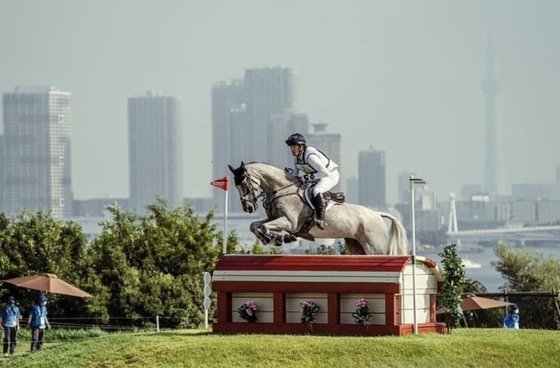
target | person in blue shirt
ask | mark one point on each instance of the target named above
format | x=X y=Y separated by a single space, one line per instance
x=511 y=320
x=38 y=322
x=9 y=323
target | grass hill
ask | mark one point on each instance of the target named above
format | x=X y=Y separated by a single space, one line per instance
x=463 y=348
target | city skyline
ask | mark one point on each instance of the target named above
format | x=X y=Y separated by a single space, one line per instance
x=404 y=77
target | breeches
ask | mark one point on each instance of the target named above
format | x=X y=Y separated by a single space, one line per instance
x=327 y=183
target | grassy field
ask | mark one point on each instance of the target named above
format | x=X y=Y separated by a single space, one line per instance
x=463 y=348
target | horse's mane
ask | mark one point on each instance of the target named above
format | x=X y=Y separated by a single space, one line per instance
x=276 y=171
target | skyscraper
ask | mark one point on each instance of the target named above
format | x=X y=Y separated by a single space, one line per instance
x=225 y=96
x=245 y=120
x=229 y=125
x=268 y=91
x=371 y=178
x=37 y=151
x=492 y=167
x=155 y=149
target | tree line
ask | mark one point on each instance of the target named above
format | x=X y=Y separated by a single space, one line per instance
x=138 y=266
x=153 y=264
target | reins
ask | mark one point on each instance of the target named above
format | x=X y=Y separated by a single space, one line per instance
x=266 y=202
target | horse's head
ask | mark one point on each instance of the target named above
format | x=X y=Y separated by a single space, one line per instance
x=247 y=188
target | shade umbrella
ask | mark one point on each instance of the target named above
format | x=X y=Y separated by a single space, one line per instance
x=473 y=302
x=49 y=283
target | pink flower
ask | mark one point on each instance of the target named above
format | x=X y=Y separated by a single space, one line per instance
x=362 y=303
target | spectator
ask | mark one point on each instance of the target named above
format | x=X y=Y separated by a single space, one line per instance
x=9 y=323
x=38 y=322
x=511 y=320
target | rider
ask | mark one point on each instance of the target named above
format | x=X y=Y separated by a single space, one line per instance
x=314 y=165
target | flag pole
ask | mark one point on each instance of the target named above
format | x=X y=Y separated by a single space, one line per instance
x=223 y=184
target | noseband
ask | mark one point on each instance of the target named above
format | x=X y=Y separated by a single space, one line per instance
x=250 y=190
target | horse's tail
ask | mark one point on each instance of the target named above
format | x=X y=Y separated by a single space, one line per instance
x=398 y=242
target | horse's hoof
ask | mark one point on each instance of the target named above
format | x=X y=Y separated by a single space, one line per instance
x=288 y=238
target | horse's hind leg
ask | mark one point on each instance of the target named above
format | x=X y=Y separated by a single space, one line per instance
x=354 y=246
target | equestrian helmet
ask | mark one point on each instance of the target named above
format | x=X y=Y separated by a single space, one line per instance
x=296 y=139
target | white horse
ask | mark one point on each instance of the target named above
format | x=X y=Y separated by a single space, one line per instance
x=364 y=230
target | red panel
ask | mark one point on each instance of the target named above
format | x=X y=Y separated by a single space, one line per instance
x=333 y=301
x=279 y=308
x=224 y=307
x=304 y=287
x=293 y=262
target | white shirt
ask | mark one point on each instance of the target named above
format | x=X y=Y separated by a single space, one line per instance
x=314 y=162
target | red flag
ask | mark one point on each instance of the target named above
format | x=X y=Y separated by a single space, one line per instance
x=222 y=183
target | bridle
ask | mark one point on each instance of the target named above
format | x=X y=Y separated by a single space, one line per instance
x=250 y=187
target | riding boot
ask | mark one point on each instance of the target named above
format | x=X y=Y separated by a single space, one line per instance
x=320 y=212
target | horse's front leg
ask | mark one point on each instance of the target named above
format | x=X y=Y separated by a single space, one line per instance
x=278 y=225
x=267 y=231
x=257 y=229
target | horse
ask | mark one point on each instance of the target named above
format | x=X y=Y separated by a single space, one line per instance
x=364 y=230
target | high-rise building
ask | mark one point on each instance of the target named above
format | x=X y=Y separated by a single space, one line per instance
x=268 y=91
x=371 y=178
x=37 y=151
x=226 y=95
x=155 y=149
x=331 y=145
x=229 y=129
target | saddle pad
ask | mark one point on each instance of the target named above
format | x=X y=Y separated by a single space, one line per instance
x=308 y=195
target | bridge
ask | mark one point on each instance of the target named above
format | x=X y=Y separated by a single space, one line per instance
x=518 y=234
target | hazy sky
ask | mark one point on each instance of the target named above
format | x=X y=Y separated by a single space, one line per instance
x=401 y=76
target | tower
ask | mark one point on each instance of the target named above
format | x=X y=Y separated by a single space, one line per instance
x=37 y=151
x=491 y=87
x=268 y=91
x=155 y=149
x=371 y=179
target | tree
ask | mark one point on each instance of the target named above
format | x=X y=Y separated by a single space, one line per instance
x=450 y=296
x=153 y=264
x=529 y=270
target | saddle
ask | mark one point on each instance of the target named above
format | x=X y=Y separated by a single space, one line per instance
x=332 y=198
